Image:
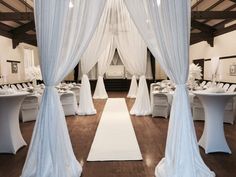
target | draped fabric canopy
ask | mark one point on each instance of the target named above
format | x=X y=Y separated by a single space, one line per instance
x=63 y=34
x=116 y=30
x=165 y=26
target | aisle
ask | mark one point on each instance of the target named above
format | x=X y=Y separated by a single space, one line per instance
x=115 y=138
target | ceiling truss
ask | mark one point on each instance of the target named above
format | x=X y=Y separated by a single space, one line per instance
x=200 y=21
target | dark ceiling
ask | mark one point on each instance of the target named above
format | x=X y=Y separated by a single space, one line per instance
x=210 y=18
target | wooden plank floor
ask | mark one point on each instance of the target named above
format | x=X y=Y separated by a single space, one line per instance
x=151 y=134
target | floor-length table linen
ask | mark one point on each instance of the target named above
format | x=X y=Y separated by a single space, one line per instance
x=10 y=135
x=213 y=137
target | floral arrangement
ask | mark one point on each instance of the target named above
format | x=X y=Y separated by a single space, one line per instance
x=194 y=73
x=33 y=73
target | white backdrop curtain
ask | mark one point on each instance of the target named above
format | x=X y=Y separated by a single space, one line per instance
x=63 y=34
x=103 y=64
x=100 y=41
x=133 y=53
x=166 y=29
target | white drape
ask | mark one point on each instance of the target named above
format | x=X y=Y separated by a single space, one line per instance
x=166 y=29
x=103 y=64
x=63 y=34
x=133 y=88
x=100 y=41
x=133 y=53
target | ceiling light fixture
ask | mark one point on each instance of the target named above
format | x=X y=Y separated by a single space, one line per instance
x=71 y=5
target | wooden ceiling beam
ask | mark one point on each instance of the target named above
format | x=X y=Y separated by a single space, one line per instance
x=203 y=27
x=27 y=5
x=197 y=3
x=24 y=28
x=198 y=37
x=18 y=16
x=26 y=38
x=5 y=27
x=11 y=8
x=5 y=34
x=213 y=15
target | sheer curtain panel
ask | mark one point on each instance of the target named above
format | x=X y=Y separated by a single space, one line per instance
x=133 y=52
x=99 y=42
x=165 y=26
x=63 y=34
x=103 y=64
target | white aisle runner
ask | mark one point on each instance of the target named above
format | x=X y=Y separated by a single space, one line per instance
x=115 y=138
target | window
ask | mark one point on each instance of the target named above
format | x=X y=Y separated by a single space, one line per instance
x=28 y=58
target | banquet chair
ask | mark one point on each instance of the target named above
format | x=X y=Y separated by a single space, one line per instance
x=14 y=87
x=220 y=85
x=208 y=84
x=225 y=87
x=203 y=83
x=24 y=85
x=68 y=103
x=29 y=84
x=232 y=88
x=76 y=90
x=29 y=108
x=160 y=106
x=230 y=111
x=197 y=109
x=19 y=86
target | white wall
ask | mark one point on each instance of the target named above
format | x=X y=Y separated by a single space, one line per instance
x=8 y=53
x=224 y=45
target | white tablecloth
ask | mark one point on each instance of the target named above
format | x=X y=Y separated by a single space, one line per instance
x=10 y=136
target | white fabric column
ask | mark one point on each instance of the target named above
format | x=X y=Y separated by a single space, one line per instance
x=133 y=88
x=103 y=63
x=86 y=106
x=165 y=25
x=62 y=36
x=97 y=46
x=141 y=105
x=133 y=53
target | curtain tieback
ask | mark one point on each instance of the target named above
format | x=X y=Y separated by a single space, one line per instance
x=49 y=86
x=181 y=85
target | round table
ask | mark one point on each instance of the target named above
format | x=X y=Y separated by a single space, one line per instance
x=10 y=135
x=213 y=137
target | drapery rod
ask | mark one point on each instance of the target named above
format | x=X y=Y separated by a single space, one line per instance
x=10 y=61
x=222 y=58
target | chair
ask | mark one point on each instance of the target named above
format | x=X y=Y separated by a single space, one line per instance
x=232 y=88
x=76 y=90
x=69 y=103
x=197 y=109
x=29 y=108
x=225 y=87
x=220 y=85
x=230 y=110
x=208 y=84
x=14 y=87
x=24 y=85
x=19 y=86
x=160 y=106
x=203 y=83
x=29 y=84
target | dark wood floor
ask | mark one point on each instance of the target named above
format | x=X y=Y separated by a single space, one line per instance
x=151 y=135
